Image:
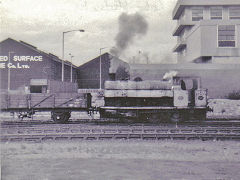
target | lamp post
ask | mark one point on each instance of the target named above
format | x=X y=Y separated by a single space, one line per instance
x=71 y=66
x=9 y=56
x=100 y=67
x=80 y=30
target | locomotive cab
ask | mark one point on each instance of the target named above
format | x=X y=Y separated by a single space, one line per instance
x=188 y=92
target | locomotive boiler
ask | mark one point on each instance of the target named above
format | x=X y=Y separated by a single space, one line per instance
x=179 y=99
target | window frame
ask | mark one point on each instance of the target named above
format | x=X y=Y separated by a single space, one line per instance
x=235 y=37
x=198 y=8
x=216 y=17
x=234 y=17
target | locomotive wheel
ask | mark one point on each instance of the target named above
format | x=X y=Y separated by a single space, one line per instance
x=148 y=118
x=175 y=117
x=61 y=117
x=200 y=115
x=154 y=118
x=143 y=118
x=164 y=117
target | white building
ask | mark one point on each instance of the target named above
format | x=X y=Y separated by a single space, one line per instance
x=207 y=31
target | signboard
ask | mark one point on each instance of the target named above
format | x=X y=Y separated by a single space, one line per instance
x=18 y=62
x=38 y=82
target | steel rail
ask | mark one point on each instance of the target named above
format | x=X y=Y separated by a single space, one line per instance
x=217 y=124
x=144 y=136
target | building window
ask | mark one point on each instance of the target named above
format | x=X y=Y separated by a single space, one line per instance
x=197 y=13
x=183 y=15
x=216 y=12
x=184 y=52
x=226 y=36
x=234 y=12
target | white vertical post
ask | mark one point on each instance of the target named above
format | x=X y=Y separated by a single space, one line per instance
x=9 y=75
x=71 y=75
x=80 y=30
x=100 y=70
x=63 y=57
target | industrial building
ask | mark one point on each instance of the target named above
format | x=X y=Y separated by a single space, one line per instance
x=112 y=68
x=221 y=80
x=208 y=46
x=24 y=67
x=207 y=31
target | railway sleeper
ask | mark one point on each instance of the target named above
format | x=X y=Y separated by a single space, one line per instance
x=186 y=131
x=109 y=131
x=96 y=131
x=47 y=138
x=16 y=139
x=211 y=131
x=33 y=139
x=162 y=130
x=91 y=138
x=62 y=138
x=77 y=138
x=106 y=136
x=149 y=136
x=134 y=136
x=138 y=131
x=121 y=136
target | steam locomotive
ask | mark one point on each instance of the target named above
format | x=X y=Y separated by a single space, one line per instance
x=175 y=100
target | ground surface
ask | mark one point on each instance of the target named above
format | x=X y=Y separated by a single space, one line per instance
x=121 y=160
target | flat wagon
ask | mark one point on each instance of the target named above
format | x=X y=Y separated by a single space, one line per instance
x=60 y=104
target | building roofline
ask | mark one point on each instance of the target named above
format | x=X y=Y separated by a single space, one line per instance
x=34 y=48
x=104 y=54
x=82 y=65
x=181 y=4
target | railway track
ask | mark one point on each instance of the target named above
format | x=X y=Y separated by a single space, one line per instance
x=189 y=136
x=78 y=131
x=209 y=123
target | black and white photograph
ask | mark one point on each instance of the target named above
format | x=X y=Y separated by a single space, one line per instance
x=120 y=89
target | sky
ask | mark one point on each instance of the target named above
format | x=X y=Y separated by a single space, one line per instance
x=41 y=23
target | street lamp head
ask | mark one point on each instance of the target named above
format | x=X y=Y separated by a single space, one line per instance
x=81 y=30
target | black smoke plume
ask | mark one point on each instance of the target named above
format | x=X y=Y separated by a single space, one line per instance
x=130 y=26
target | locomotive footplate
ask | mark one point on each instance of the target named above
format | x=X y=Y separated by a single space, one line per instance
x=148 y=108
x=156 y=114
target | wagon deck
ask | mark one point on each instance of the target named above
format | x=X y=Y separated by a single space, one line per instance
x=46 y=101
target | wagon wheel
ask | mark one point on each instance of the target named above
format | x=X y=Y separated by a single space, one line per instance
x=61 y=117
